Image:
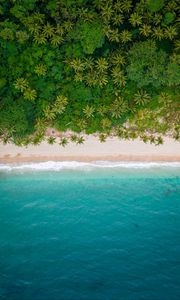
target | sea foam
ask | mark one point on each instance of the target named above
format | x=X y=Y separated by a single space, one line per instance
x=76 y=165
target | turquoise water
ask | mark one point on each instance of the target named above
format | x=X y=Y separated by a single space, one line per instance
x=95 y=234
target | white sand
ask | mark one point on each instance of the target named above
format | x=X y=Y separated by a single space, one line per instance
x=91 y=150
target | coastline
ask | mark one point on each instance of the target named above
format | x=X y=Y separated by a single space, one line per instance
x=92 y=150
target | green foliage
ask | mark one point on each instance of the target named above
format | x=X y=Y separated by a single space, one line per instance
x=155 y=5
x=110 y=67
x=63 y=142
x=141 y=97
x=30 y=94
x=168 y=18
x=173 y=74
x=90 y=35
x=146 y=64
x=21 y=84
x=14 y=119
x=51 y=140
x=40 y=70
x=2 y=83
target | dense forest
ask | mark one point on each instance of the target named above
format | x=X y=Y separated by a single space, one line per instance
x=109 y=67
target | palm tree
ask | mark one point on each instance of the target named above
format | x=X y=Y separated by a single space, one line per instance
x=77 y=64
x=30 y=94
x=126 y=36
x=116 y=111
x=106 y=30
x=56 y=40
x=126 y=135
x=59 y=30
x=60 y=104
x=6 y=139
x=172 y=6
x=118 y=19
x=40 y=39
x=41 y=125
x=177 y=46
x=102 y=110
x=107 y=12
x=145 y=30
x=119 y=131
x=51 y=140
x=61 y=100
x=127 y=5
x=157 y=18
x=7 y=34
x=102 y=64
x=63 y=142
x=158 y=33
x=34 y=28
x=102 y=80
x=106 y=123
x=118 y=59
x=102 y=138
x=118 y=107
x=176 y=135
x=99 y=4
x=18 y=141
x=86 y=15
x=133 y=135
x=113 y=35
x=118 y=77
x=22 y=36
x=91 y=78
x=89 y=111
x=140 y=7
x=135 y=19
x=21 y=84
x=82 y=124
x=37 y=139
x=38 y=18
x=144 y=138
x=48 y=30
x=141 y=97
x=73 y=138
x=80 y=140
x=89 y=63
x=164 y=98
x=40 y=70
x=118 y=7
x=78 y=77
x=159 y=141
x=152 y=139
x=49 y=113
x=170 y=32
x=67 y=25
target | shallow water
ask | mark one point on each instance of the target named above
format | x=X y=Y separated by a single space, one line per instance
x=90 y=234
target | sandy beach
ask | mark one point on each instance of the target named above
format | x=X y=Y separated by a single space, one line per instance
x=92 y=150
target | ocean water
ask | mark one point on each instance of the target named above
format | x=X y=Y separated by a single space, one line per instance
x=81 y=231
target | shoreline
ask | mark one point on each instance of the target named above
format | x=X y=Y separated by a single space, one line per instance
x=37 y=159
x=92 y=150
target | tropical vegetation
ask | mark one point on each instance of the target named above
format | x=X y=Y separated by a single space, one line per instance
x=108 y=67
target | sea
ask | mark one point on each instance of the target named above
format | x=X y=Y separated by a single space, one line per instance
x=90 y=231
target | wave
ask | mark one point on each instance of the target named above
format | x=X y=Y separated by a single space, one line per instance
x=76 y=165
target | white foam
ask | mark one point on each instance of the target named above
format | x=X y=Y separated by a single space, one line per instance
x=76 y=165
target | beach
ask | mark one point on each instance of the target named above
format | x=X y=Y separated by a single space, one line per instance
x=113 y=149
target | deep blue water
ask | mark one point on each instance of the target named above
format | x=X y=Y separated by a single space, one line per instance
x=90 y=235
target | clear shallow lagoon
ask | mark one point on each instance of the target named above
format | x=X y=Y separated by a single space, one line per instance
x=90 y=233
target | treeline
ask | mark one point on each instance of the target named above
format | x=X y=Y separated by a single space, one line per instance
x=102 y=66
